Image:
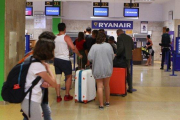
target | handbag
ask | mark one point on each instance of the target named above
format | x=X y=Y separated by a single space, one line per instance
x=120 y=62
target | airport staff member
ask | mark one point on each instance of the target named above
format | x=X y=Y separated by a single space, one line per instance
x=125 y=46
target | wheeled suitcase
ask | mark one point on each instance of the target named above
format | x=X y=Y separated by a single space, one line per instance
x=85 y=88
x=118 y=82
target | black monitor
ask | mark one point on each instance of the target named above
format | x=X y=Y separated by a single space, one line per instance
x=100 y=11
x=131 y=12
x=52 y=11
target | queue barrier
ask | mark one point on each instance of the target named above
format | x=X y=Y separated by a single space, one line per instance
x=173 y=64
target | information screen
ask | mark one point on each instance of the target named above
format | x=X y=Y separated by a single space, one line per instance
x=29 y=11
x=101 y=11
x=131 y=12
x=52 y=11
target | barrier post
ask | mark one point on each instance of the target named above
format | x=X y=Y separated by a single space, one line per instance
x=132 y=74
x=173 y=64
x=74 y=61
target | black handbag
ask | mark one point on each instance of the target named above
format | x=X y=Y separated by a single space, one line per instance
x=120 y=62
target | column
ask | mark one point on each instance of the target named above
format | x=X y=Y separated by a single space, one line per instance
x=12 y=38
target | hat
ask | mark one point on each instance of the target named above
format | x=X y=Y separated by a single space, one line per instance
x=111 y=38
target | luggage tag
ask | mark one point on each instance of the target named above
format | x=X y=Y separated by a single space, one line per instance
x=16 y=86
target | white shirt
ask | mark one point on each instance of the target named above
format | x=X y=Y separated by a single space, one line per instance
x=34 y=69
x=61 y=50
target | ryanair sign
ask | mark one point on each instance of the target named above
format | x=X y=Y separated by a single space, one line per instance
x=112 y=24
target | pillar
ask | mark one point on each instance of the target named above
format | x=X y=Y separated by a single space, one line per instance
x=12 y=38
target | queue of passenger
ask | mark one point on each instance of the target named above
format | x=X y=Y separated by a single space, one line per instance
x=93 y=49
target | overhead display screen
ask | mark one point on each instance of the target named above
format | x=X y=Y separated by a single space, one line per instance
x=52 y=11
x=101 y=11
x=29 y=11
x=131 y=12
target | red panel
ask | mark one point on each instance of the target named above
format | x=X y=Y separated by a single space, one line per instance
x=118 y=81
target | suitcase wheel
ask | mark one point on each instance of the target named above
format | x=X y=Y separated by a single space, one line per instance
x=76 y=101
x=123 y=95
x=85 y=101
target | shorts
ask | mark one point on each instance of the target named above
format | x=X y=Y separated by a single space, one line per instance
x=62 y=66
x=35 y=109
x=150 y=51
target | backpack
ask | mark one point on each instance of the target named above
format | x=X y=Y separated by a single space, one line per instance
x=13 y=88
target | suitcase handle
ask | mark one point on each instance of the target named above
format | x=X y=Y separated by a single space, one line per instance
x=86 y=67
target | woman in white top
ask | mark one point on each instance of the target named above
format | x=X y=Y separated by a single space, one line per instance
x=44 y=50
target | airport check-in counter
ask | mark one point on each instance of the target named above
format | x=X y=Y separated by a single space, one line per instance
x=140 y=41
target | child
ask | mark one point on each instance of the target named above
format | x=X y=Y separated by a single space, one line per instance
x=44 y=50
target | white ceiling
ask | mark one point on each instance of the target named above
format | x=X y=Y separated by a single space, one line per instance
x=154 y=1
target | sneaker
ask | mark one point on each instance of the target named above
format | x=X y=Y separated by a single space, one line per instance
x=161 y=68
x=59 y=99
x=107 y=104
x=101 y=107
x=68 y=97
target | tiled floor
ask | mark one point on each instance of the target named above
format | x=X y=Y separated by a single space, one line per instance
x=157 y=98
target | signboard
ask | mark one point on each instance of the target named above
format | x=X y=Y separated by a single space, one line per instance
x=100 y=4
x=29 y=3
x=144 y=26
x=129 y=32
x=178 y=45
x=112 y=24
x=131 y=4
x=56 y=3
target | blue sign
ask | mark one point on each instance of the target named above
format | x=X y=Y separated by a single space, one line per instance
x=177 y=56
x=100 y=11
x=112 y=24
x=52 y=11
x=131 y=12
x=178 y=45
x=27 y=43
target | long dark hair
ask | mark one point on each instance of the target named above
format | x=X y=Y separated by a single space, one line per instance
x=80 y=36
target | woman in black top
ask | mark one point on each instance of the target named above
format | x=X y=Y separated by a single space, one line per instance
x=149 y=45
